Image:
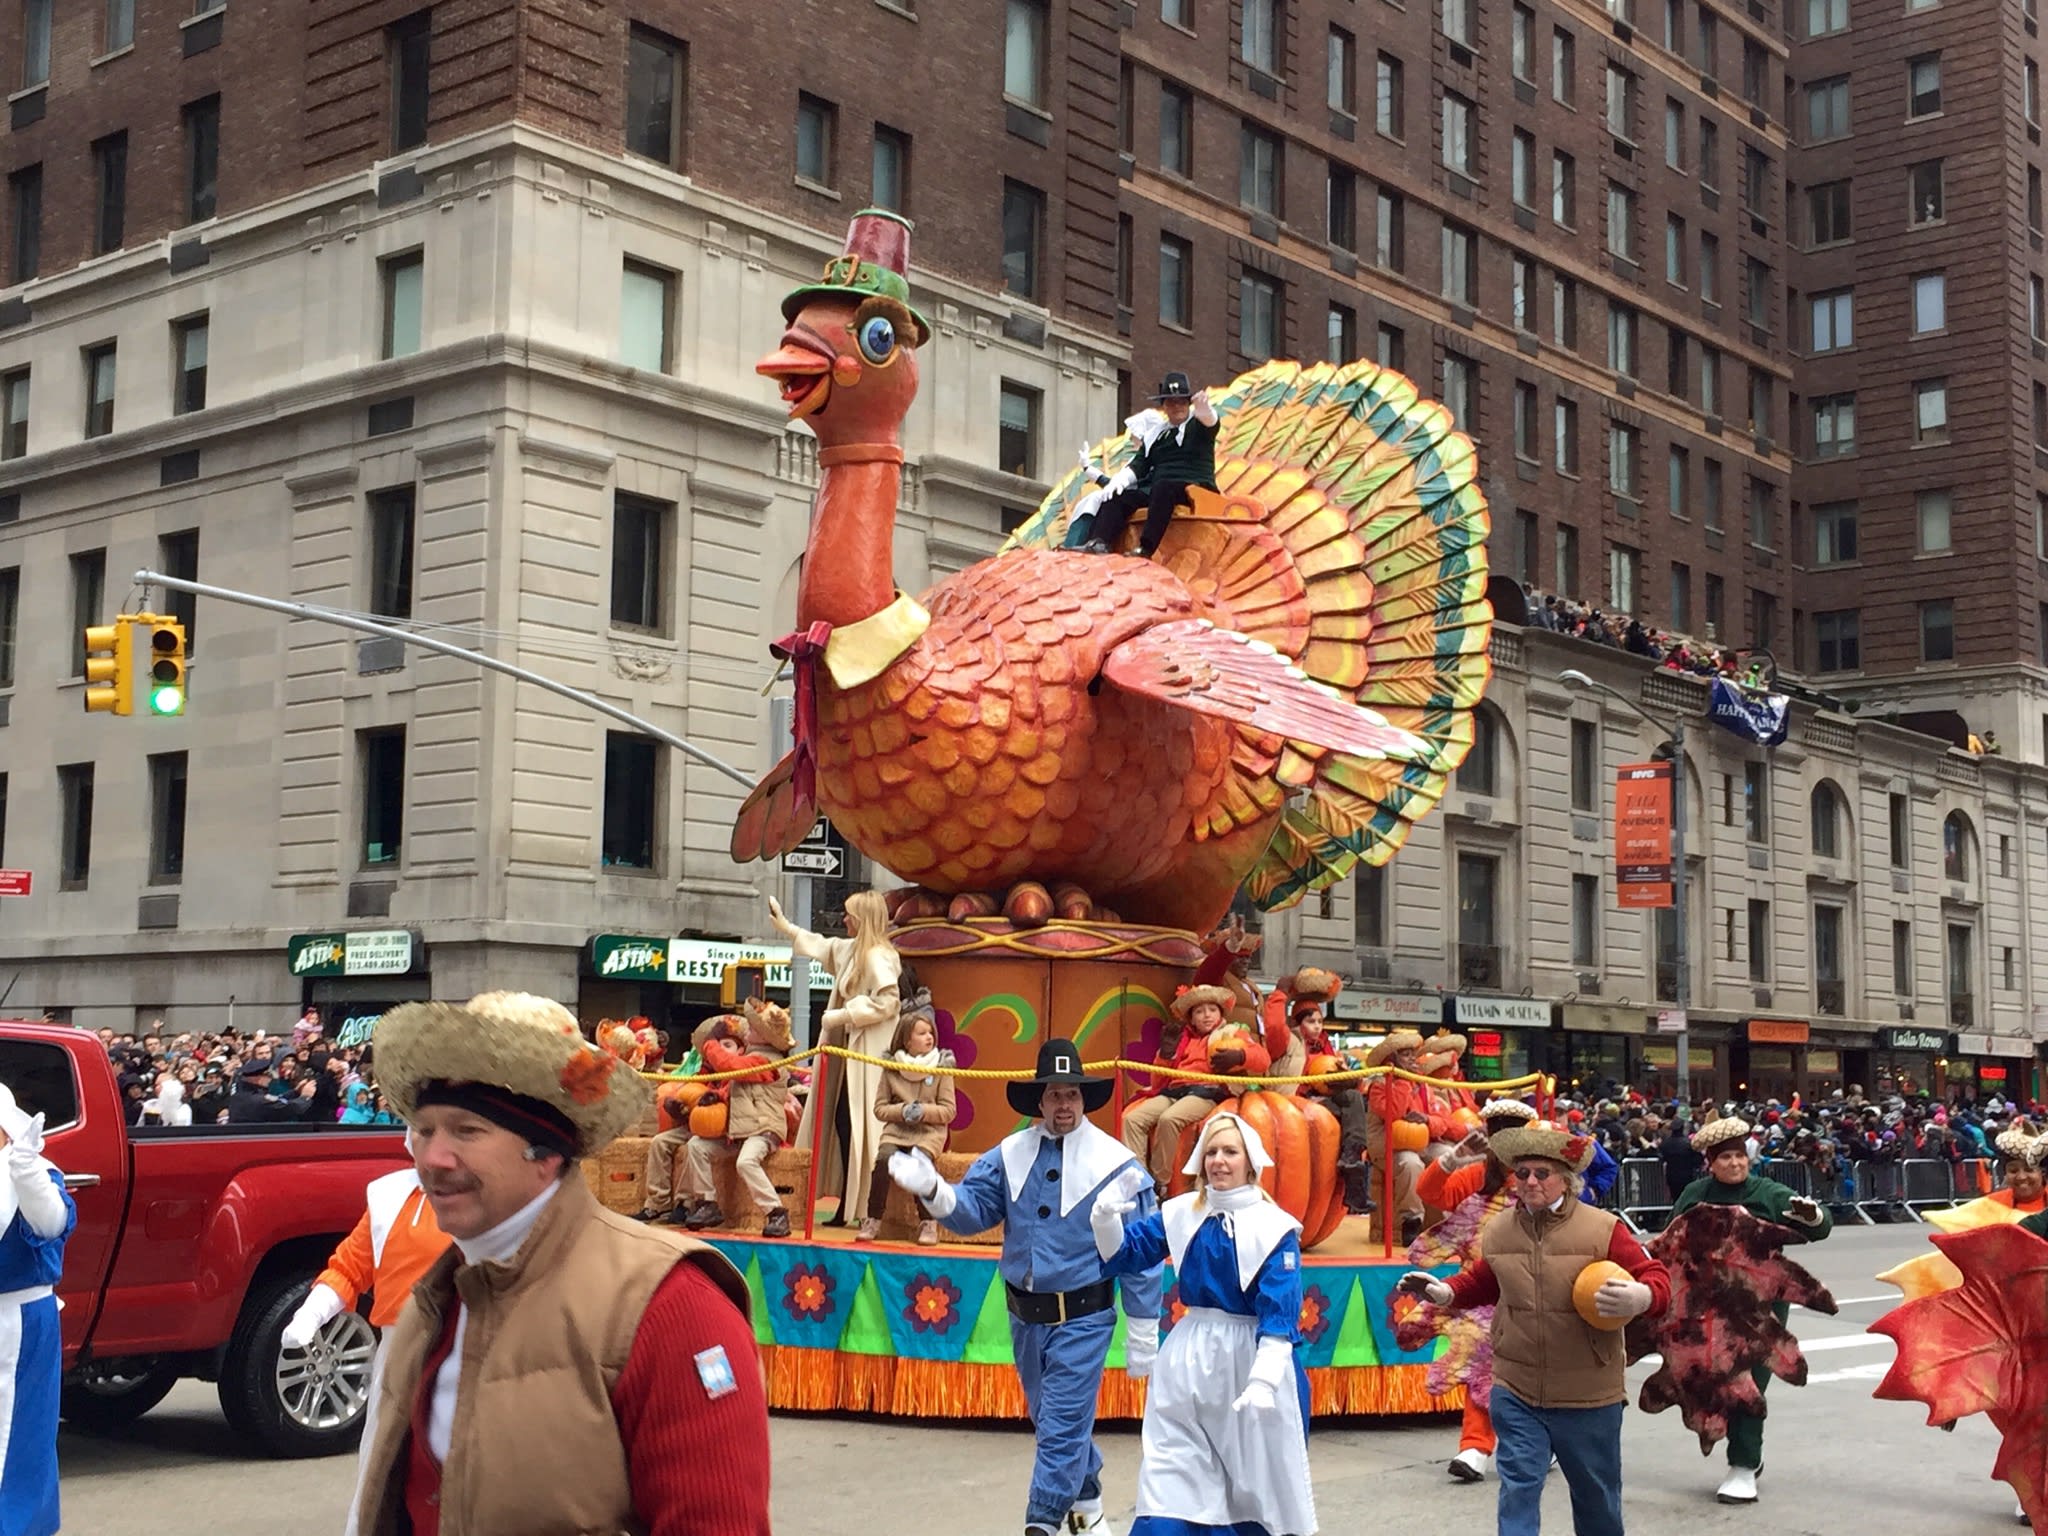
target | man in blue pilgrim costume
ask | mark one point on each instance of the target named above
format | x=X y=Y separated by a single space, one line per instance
x=1041 y=1183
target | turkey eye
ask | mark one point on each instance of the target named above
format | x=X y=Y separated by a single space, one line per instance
x=877 y=338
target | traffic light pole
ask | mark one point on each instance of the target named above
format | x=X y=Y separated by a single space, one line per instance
x=345 y=620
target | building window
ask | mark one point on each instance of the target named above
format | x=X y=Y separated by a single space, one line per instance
x=402 y=283
x=1388 y=113
x=1457 y=19
x=640 y=541
x=1390 y=234
x=2034 y=198
x=1624 y=577
x=99 y=390
x=25 y=199
x=1938 y=630
x=654 y=96
x=166 y=818
x=1342 y=213
x=1827 y=109
x=1521 y=289
x=1710 y=495
x=202 y=158
x=1621 y=101
x=1259 y=43
x=178 y=555
x=1564 y=311
x=1176 y=130
x=1586 y=920
x=1126 y=239
x=1024 y=35
x=1585 y=766
x=1827 y=959
x=1674 y=250
x=1760 y=942
x=1833 y=426
x=1479 y=774
x=1930 y=303
x=188 y=357
x=1756 y=181
x=1523 y=52
x=1343 y=337
x=1674 y=134
x=88 y=595
x=391 y=542
x=1923 y=85
x=1023 y=226
x=632 y=768
x=1565 y=560
x=1901 y=810
x=1527 y=446
x=382 y=755
x=889 y=170
x=1831 y=320
x=1838 y=643
x=817 y=135
x=1563 y=65
x=10 y=620
x=1457 y=133
x=1902 y=959
x=1258 y=179
x=1564 y=196
x=1621 y=219
x=1478 y=930
x=1710 y=268
x=1460 y=389
x=1710 y=153
x=1564 y=429
x=1369 y=907
x=1390 y=348
x=1621 y=339
x=647 y=317
x=35 y=42
x=110 y=167
x=1678 y=471
x=1624 y=466
x=1176 y=265
x=1834 y=533
x=1460 y=264
x=1258 y=317
x=408 y=52
x=1716 y=605
x=2030 y=91
x=1933 y=508
x=1955 y=847
x=1343 y=78
x=1756 y=809
x=14 y=414
x=74 y=852
x=1930 y=411
x=1828 y=217
x=1523 y=180
x=1681 y=595
x=1826 y=17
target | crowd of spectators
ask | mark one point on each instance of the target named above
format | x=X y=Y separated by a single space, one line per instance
x=1673 y=652
x=298 y=1074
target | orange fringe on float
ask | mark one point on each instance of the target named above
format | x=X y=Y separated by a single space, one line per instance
x=822 y=1380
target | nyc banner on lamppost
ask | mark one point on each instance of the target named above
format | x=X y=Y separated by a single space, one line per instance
x=1642 y=835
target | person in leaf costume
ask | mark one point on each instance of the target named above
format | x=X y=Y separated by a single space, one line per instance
x=1729 y=1181
x=2020 y=1153
x=1471 y=1185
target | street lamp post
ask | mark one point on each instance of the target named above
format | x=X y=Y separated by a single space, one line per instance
x=1571 y=677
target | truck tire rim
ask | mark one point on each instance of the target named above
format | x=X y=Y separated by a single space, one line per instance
x=326 y=1385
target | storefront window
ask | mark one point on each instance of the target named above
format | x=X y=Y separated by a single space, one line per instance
x=1594 y=1062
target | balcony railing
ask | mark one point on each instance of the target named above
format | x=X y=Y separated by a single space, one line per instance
x=1962 y=1010
x=1479 y=965
x=1830 y=997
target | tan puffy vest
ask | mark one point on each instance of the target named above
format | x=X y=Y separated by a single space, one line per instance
x=535 y=1449
x=1543 y=1351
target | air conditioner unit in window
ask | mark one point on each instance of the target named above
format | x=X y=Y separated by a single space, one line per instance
x=1906 y=1011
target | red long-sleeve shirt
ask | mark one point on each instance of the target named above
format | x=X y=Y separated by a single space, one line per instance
x=1477 y=1286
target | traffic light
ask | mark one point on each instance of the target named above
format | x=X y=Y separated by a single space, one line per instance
x=110 y=667
x=166 y=681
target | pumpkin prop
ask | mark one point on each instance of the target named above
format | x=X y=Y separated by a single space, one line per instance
x=708 y=1119
x=1467 y=1119
x=1302 y=1135
x=1587 y=1286
x=1407 y=1136
x=673 y=1102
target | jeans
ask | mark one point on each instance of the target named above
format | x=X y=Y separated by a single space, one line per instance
x=1587 y=1444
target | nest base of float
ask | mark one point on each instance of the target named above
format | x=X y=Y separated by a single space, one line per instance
x=910 y=1332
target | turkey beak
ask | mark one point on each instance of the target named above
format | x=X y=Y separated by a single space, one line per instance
x=803 y=372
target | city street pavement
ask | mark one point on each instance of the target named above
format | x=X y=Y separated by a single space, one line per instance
x=1836 y=1461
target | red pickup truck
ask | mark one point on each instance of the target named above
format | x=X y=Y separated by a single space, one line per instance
x=193 y=1249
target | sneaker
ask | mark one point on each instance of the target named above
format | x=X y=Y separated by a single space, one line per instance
x=777 y=1224
x=927 y=1234
x=705 y=1215
x=868 y=1228
x=1738 y=1487
x=1095 y=547
x=648 y=1213
x=2021 y=1516
x=1470 y=1466
x=1088 y=1520
x=680 y=1215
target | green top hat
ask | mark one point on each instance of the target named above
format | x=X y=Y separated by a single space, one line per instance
x=876 y=261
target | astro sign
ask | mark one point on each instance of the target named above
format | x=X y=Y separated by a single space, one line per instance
x=376 y=952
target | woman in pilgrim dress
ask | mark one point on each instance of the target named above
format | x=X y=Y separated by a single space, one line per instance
x=36 y=1216
x=1226 y=1415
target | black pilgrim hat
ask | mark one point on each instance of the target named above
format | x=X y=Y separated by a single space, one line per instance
x=1175 y=386
x=1059 y=1062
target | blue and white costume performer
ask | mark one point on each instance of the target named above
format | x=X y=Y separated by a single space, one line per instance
x=1226 y=1417
x=1040 y=1183
x=36 y=1216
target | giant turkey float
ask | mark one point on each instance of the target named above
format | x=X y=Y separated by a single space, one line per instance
x=1079 y=760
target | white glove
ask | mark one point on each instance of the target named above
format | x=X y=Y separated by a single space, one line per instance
x=1472 y=1149
x=1122 y=480
x=322 y=1303
x=1435 y=1290
x=1106 y=1220
x=1141 y=1346
x=914 y=1172
x=1270 y=1365
x=25 y=1149
x=1803 y=1210
x=1622 y=1298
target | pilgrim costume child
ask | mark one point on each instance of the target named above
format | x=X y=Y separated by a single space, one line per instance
x=36 y=1217
x=1728 y=1180
x=1041 y=1184
x=1181 y=454
x=1226 y=1415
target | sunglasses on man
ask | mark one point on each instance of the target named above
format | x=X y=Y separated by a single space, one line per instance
x=1534 y=1173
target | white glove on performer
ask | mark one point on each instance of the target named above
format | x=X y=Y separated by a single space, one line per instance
x=25 y=1149
x=322 y=1303
x=1467 y=1152
x=31 y=1190
x=1803 y=1210
x=1122 y=480
x=1141 y=1346
x=1622 y=1298
x=1270 y=1369
x=1432 y=1289
x=914 y=1172
x=1106 y=1220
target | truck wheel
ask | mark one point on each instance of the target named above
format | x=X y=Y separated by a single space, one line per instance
x=296 y=1402
x=108 y=1394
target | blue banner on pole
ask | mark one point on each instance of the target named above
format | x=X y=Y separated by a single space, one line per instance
x=1758 y=717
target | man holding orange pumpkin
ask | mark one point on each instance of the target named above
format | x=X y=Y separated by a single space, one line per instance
x=1196 y=1041
x=756 y=1121
x=1405 y=1124
x=677 y=1100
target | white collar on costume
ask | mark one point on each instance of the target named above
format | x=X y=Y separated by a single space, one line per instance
x=502 y=1242
x=1088 y=1157
x=1256 y=1226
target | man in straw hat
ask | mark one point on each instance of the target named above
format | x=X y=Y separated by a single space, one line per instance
x=1725 y=1144
x=1153 y=1123
x=560 y=1368
x=1041 y=1183
x=1558 y=1384
x=756 y=1120
x=1392 y=1100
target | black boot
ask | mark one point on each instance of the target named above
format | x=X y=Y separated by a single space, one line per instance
x=1357 y=1188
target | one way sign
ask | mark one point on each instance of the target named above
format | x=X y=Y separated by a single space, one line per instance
x=821 y=853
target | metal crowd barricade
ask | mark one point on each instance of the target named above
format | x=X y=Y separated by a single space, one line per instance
x=1933 y=1182
x=1788 y=1171
x=1639 y=1193
x=1881 y=1191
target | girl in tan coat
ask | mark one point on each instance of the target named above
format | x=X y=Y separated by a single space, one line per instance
x=915 y=1105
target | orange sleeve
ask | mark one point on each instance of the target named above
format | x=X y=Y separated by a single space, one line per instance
x=1447 y=1191
x=1256 y=1062
x=1278 y=1035
x=351 y=1268
x=722 y=1056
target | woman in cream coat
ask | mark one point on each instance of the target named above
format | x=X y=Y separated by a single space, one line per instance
x=860 y=1016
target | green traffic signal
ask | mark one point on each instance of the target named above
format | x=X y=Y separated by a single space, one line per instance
x=167 y=667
